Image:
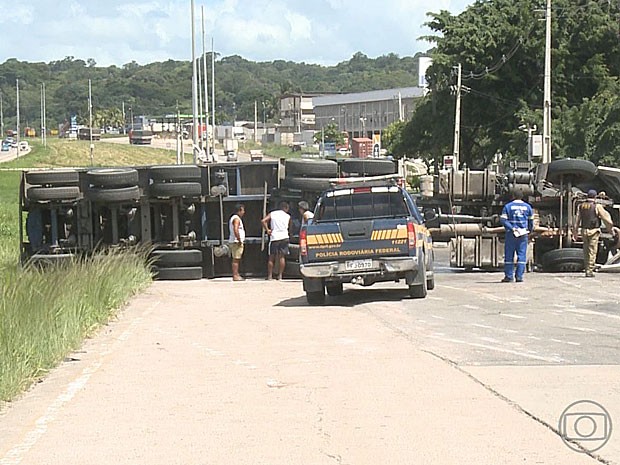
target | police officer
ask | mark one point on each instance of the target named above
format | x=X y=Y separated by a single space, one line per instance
x=518 y=219
x=589 y=216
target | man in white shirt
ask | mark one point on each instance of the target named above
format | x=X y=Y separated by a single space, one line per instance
x=277 y=224
x=236 y=239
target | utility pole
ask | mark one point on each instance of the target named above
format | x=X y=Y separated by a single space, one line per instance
x=546 y=158
x=400 y=106
x=44 y=118
x=178 y=136
x=205 y=76
x=194 y=91
x=457 y=121
x=255 y=122
x=1 y=118
x=41 y=111
x=124 y=117
x=90 y=121
x=213 y=91
x=17 y=88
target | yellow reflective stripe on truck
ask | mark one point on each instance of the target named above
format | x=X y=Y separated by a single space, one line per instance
x=388 y=234
x=324 y=239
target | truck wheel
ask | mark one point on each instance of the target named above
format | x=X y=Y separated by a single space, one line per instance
x=334 y=289
x=307 y=184
x=178 y=274
x=121 y=194
x=369 y=167
x=55 y=178
x=112 y=177
x=42 y=194
x=317 y=168
x=175 y=173
x=176 y=258
x=316 y=298
x=430 y=283
x=175 y=189
x=575 y=170
x=563 y=260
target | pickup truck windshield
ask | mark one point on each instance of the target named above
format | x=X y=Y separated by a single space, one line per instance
x=352 y=204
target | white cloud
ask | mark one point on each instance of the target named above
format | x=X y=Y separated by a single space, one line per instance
x=117 y=32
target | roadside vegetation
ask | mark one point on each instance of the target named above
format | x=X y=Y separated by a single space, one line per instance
x=65 y=152
x=44 y=314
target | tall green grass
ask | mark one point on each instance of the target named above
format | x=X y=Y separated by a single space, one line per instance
x=45 y=313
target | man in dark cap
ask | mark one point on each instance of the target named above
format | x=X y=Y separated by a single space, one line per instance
x=589 y=217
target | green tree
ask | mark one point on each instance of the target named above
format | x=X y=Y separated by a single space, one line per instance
x=500 y=45
x=330 y=134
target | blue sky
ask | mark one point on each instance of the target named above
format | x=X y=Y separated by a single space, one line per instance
x=311 y=31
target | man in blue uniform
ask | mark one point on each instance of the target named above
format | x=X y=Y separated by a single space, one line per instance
x=518 y=219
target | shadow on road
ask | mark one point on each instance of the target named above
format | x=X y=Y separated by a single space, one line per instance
x=352 y=297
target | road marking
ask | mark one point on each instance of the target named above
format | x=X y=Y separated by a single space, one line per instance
x=510 y=315
x=531 y=355
x=472 y=307
x=585 y=330
x=491 y=297
x=15 y=455
x=438 y=317
x=566 y=342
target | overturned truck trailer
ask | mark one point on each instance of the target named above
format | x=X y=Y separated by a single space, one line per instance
x=181 y=211
x=463 y=208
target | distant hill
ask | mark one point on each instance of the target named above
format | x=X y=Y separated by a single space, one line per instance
x=158 y=88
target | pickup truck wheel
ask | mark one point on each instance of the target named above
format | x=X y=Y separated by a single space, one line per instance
x=418 y=291
x=334 y=289
x=316 y=298
x=318 y=168
x=113 y=177
x=368 y=167
x=175 y=173
x=53 y=178
x=430 y=283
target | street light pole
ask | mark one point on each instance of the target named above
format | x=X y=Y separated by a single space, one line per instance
x=546 y=158
x=17 y=103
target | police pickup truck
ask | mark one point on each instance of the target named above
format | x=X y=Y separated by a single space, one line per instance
x=364 y=234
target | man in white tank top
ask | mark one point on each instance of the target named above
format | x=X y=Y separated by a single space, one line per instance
x=236 y=239
x=277 y=225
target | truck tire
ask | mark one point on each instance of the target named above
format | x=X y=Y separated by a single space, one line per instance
x=307 y=184
x=334 y=289
x=175 y=173
x=574 y=170
x=176 y=258
x=311 y=168
x=42 y=194
x=53 y=178
x=120 y=194
x=368 y=167
x=563 y=260
x=315 y=298
x=112 y=177
x=178 y=273
x=175 y=189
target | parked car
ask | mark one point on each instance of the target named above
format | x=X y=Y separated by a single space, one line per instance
x=6 y=146
x=23 y=146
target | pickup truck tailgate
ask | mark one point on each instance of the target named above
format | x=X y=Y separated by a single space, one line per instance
x=357 y=239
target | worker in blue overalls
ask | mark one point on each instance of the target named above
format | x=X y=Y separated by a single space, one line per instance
x=518 y=219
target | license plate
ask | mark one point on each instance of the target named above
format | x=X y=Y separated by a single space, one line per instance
x=356 y=265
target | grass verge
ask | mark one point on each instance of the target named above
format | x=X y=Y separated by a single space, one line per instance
x=44 y=314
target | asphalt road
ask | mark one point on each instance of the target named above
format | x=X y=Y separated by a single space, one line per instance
x=216 y=372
